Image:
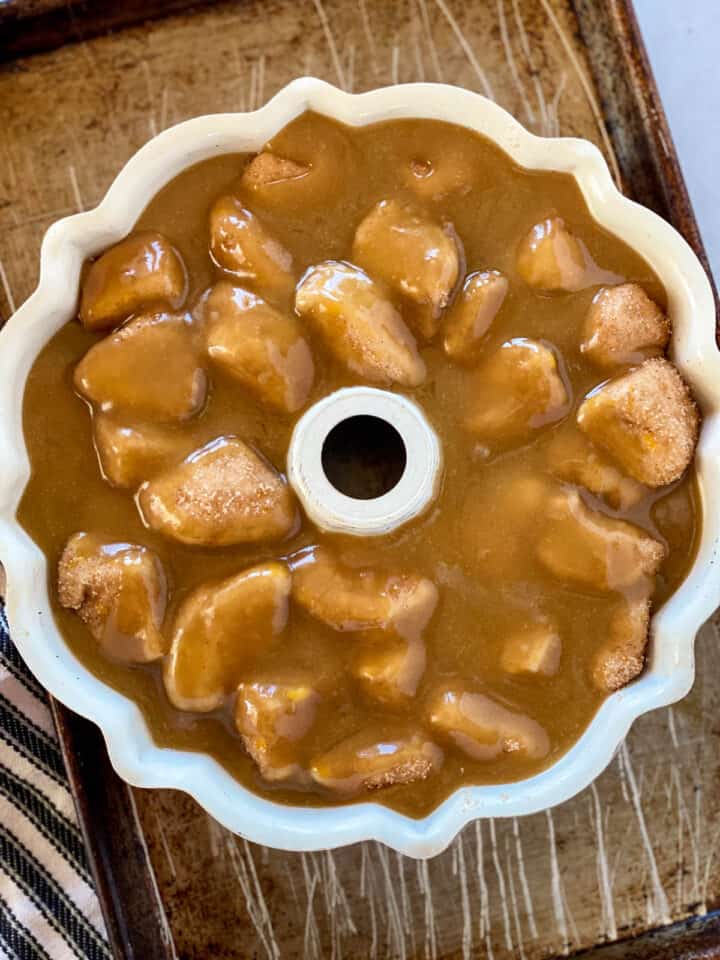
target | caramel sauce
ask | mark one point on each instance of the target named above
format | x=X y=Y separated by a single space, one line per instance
x=474 y=545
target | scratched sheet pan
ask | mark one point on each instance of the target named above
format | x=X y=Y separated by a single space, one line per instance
x=630 y=868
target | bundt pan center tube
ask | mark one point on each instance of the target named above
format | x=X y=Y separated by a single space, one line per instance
x=332 y=510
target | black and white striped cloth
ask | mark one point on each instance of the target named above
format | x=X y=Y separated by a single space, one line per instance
x=48 y=907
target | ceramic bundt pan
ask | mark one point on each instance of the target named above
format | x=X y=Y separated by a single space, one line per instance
x=670 y=667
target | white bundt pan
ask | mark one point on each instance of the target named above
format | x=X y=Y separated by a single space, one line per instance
x=670 y=668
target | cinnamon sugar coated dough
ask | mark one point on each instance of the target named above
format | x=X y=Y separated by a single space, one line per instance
x=551 y=258
x=623 y=325
x=622 y=654
x=271 y=718
x=220 y=630
x=646 y=420
x=224 y=493
x=469 y=318
x=267 y=168
x=390 y=670
x=375 y=761
x=263 y=348
x=518 y=390
x=242 y=246
x=359 y=325
x=119 y=591
x=417 y=257
x=474 y=644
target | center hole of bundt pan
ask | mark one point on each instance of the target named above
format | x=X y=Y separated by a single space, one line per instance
x=364 y=457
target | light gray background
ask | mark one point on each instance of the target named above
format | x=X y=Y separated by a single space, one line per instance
x=683 y=41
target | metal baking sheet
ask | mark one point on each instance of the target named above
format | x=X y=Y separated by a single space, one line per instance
x=628 y=868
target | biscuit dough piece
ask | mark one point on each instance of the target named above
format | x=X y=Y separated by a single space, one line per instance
x=259 y=346
x=483 y=728
x=585 y=547
x=467 y=321
x=358 y=325
x=271 y=718
x=362 y=598
x=391 y=657
x=575 y=460
x=302 y=169
x=550 y=258
x=534 y=650
x=268 y=168
x=129 y=455
x=149 y=369
x=621 y=657
x=390 y=669
x=242 y=245
x=138 y=273
x=373 y=759
x=219 y=629
x=623 y=326
x=646 y=420
x=222 y=494
x=391 y=661
x=119 y=591
x=517 y=391
x=415 y=256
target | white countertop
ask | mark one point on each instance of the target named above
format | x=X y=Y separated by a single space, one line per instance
x=683 y=42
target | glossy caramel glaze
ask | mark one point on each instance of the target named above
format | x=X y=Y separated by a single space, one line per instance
x=496 y=648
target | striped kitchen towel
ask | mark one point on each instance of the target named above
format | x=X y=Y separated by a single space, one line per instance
x=48 y=907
